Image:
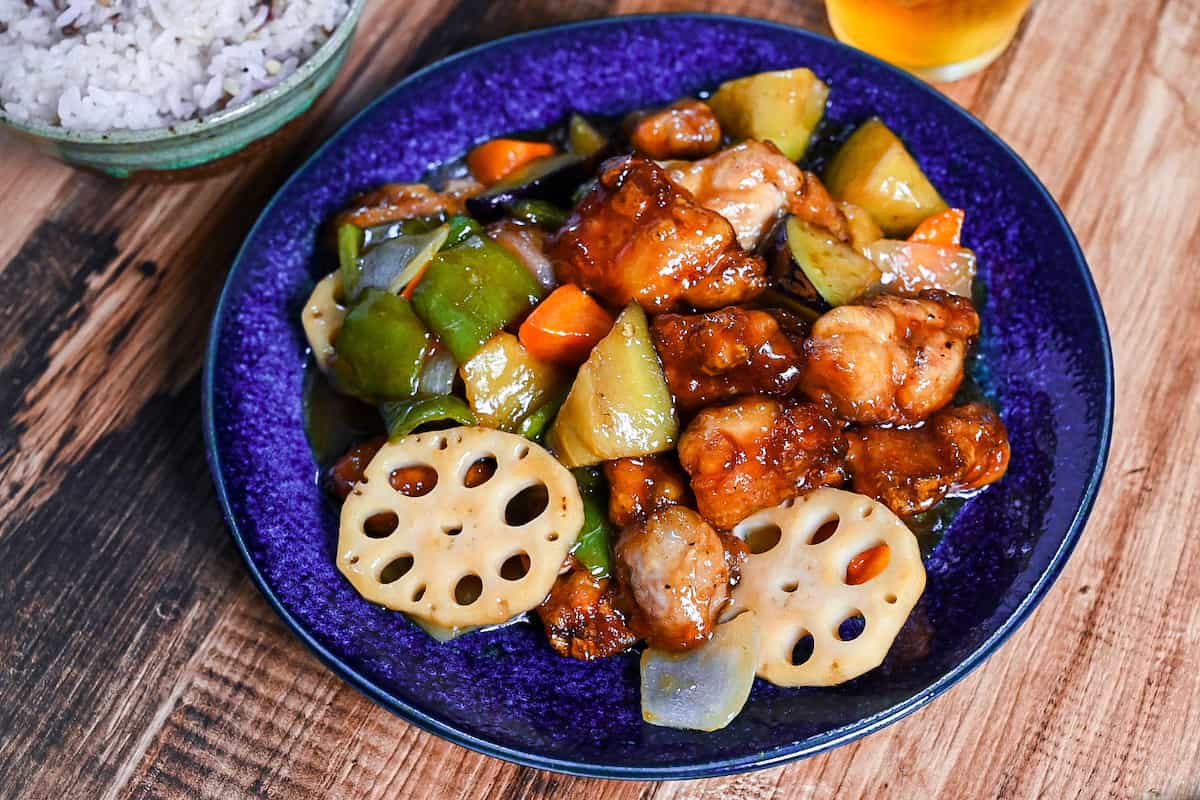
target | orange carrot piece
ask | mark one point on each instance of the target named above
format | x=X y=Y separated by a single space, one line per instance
x=495 y=160
x=565 y=326
x=868 y=564
x=943 y=228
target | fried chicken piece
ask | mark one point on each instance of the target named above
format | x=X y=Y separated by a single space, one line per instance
x=757 y=452
x=889 y=359
x=396 y=201
x=753 y=185
x=638 y=486
x=674 y=578
x=687 y=128
x=911 y=470
x=719 y=355
x=580 y=619
x=637 y=236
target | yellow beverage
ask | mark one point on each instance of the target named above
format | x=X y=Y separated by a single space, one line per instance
x=937 y=39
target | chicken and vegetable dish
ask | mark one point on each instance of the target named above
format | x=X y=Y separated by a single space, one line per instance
x=653 y=384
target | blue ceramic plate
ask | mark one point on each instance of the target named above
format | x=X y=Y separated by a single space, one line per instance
x=1044 y=357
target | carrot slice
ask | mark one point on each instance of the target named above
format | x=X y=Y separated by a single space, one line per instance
x=493 y=161
x=565 y=326
x=868 y=564
x=943 y=228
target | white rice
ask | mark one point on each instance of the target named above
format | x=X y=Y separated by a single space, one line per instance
x=103 y=65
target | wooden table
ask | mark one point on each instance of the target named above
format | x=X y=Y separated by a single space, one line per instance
x=136 y=658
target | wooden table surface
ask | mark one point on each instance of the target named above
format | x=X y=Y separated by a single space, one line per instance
x=137 y=659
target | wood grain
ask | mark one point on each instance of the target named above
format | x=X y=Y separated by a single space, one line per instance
x=138 y=660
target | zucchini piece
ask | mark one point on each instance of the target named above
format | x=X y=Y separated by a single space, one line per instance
x=874 y=170
x=505 y=384
x=781 y=107
x=811 y=265
x=619 y=405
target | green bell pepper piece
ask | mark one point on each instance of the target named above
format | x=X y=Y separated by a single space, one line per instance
x=470 y=292
x=583 y=138
x=402 y=417
x=350 y=244
x=462 y=228
x=538 y=212
x=535 y=425
x=379 y=353
x=593 y=548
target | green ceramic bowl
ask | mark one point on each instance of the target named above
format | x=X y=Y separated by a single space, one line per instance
x=201 y=141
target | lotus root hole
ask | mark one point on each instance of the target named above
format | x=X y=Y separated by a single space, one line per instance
x=480 y=472
x=468 y=589
x=452 y=530
x=763 y=538
x=802 y=650
x=418 y=593
x=415 y=480
x=396 y=569
x=515 y=567
x=826 y=531
x=521 y=453
x=868 y=565
x=890 y=599
x=381 y=526
x=790 y=586
x=440 y=443
x=852 y=627
x=527 y=505
x=866 y=511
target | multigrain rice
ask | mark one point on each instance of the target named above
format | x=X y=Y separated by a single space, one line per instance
x=103 y=65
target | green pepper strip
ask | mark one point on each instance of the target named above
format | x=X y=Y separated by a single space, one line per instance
x=538 y=212
x=350 y=243
x=534 y=426
x=462 y=228
x=593 y=549
x=381 y=349
x=402 y=417
x=470 y=292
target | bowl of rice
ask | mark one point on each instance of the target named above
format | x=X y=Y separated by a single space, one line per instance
x=160 y=86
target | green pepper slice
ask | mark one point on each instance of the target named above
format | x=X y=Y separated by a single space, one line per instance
x=534 y=426
x=593 y=548
x=402 y=417
x=379 y=353
x=538 y=212
x=470 y=292
x=462 y=228
x=350 y=239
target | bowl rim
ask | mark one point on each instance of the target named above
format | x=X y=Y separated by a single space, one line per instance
x=123 y=136
x=784 y=753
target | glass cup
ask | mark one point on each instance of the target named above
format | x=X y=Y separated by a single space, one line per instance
x=940 y=40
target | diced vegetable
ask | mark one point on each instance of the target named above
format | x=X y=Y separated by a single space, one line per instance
x=593 y=548
x=619 y=405
x=534 y=426
x=875 y=171
x=470 y=292
x=863 y=229
x=782 y=107
x=462 y=228
x=565 y=326
x=910 y=267
x=505 y=384
x=396 y=263
x=538 y=212
x=583 y=138
x=349 y=244
x=552 y=179
x=810 y=264
x=402 y=417
x=381 y=348
x=943 y=229
x=704 y=688
x=494 y=161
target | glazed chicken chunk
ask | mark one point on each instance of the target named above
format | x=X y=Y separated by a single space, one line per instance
x=397 y=201
x=889 y=359
x=719 y=355
x=753 y=185
x=687 y=128
x=911 y=470
x=580 y=619
x=638 y=486
x=674 y=575
x=637 y=236
x=757 y=452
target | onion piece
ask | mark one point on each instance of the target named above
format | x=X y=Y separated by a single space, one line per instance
x=705 y=688
x=392 y=264
x=437 y=375
x=526 y=243
x=910 y=267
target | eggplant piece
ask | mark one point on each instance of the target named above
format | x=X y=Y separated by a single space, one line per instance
x=553 y=179
x=782 y=107
x=874 y=170
x=811 y=265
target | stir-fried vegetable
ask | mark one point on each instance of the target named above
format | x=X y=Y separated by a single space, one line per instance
x=583 y=138
x=470 y=292
x=943 y=229
x=534 y=426
x=462 y=228
x=505 y=384
x=565 y=326
x=322 y=317
x=538 y=212
x=781 y=107
x=552 y=179
x=379 y=353
x=350 y=240
x=397 y=262
x=874 y=170
x=402 y=417
x=863 y=229
x=704 y=688
x=593 y=549
x=619 y=405
x=494 y=161
x=910 y=267
x=814 y=267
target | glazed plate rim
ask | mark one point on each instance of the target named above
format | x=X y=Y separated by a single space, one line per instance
x=713 y=767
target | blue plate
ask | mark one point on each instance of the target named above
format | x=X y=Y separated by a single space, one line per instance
x=1043 y=356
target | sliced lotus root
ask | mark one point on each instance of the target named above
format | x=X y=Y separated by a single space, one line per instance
x=428 y=532
x=323 y=316
x=819 y=567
